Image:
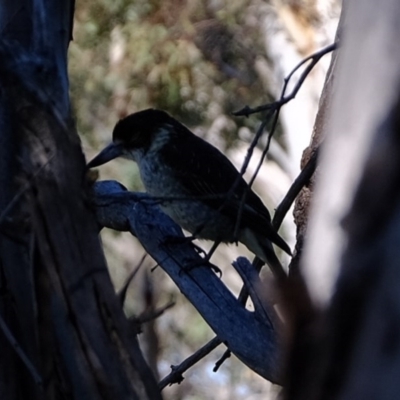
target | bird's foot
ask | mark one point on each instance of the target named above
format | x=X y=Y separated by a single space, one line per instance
x=179 y=240
x=202 y=263
x=206 y=256
x=201 y=252
x=171 y=239
x=206 y=259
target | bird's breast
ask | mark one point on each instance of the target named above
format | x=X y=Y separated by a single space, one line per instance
x=189 y=212
x=156 y=177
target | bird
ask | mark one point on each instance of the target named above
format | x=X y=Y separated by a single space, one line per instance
x=198 y=187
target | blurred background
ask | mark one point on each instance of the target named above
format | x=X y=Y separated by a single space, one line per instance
x=200 y=61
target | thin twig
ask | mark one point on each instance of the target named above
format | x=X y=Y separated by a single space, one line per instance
x=122 y=293
x=150 y=316
x=274 y=109
x=17 y=348
x=301 y=181
x=230 y=193
x=246 y=111
x=264 y=153
x=224 y=357
x=253 y=144
x=176 y=374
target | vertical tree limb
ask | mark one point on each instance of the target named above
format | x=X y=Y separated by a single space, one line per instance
x=57 y=298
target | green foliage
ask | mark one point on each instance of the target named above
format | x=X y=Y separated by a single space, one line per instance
x=182 y=56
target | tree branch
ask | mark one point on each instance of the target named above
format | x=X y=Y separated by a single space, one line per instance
x=255 y=339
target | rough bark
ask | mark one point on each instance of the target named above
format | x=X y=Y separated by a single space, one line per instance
x=255 y=339
x=63 y=333
x=349 y=344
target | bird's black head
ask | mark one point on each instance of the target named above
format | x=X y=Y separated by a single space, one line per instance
x=136 y=131
x=139 y=129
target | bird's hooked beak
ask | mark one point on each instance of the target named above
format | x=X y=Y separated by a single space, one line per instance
x=112 y=151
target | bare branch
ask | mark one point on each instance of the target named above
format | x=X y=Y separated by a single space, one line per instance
x=176 y=374
x=254 y=341
x=302 y=180
x=314 y=58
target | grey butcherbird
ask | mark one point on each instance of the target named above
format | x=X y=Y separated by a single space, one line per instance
x=174 y=163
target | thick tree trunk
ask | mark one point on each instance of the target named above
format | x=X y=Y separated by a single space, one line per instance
x=62 y=331
x=349 y=339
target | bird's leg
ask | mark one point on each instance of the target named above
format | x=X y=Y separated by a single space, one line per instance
x=211 y=251
x=195 y=235
x=199 y=250
x=187 y=239
x=205 y=262
x=208 y=255
x=171 y=239
x=181 y=240
x=177 y=240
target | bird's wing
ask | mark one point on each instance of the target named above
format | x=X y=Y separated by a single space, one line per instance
x=205 y=172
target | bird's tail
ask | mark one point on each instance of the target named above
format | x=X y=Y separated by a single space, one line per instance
x=264 y=250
